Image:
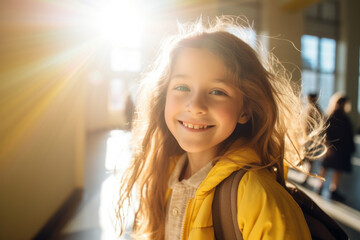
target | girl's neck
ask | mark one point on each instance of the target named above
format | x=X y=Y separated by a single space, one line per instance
x=196 y=161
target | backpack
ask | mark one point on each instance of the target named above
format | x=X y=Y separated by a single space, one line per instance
x=224 y=209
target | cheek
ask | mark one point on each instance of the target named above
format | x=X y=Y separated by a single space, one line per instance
x=169 y=110
x=228 y=115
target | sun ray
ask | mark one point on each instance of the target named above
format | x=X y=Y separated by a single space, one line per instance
x=46 y=48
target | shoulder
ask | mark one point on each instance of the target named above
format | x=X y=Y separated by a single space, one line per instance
x=267 y=211
x=339 y=117
x=262 y=184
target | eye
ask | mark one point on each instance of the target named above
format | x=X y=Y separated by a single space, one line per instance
x=218 y=92
x=182 y=88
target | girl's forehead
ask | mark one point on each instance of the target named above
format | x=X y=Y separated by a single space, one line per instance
x=199 y=61
x=202 y=60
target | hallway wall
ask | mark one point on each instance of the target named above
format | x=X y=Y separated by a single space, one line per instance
x=41 y=117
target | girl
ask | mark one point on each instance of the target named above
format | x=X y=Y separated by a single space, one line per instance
x=209 y=107
x=339 y=136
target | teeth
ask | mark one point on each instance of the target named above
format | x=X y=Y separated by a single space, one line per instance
x=194 y=126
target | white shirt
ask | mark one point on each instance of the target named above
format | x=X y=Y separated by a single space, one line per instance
x=181 y=192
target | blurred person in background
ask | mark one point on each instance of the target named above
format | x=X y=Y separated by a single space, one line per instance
x=129 y=111
x=340 y=140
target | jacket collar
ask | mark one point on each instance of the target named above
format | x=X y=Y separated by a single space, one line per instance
x=239 y=155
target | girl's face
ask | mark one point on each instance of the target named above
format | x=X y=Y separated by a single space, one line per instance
x=202 y=105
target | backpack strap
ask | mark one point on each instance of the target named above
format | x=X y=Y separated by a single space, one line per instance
x=224 y=207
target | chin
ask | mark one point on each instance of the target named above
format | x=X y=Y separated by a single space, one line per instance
x=196 y=148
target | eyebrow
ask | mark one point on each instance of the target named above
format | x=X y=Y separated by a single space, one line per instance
x=220 y=80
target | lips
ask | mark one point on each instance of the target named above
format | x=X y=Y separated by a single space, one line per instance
x=195 y=126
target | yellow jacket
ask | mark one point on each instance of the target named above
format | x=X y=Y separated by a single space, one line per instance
x=265 y=209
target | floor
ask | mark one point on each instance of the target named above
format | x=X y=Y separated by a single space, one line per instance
x=108 y=153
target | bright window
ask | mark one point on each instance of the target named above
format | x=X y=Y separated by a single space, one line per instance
x=327 y=55
x=116 y=96
x=127 y=60
x=318 y=74
x=310 y=46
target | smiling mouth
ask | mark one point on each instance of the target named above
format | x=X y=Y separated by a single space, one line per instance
x=195 y=126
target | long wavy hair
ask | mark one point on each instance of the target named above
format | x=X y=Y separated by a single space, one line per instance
x=272 y=101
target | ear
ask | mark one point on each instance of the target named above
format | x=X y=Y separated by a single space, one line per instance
x=244 y=117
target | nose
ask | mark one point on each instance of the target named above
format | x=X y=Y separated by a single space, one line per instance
x=197 y=104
